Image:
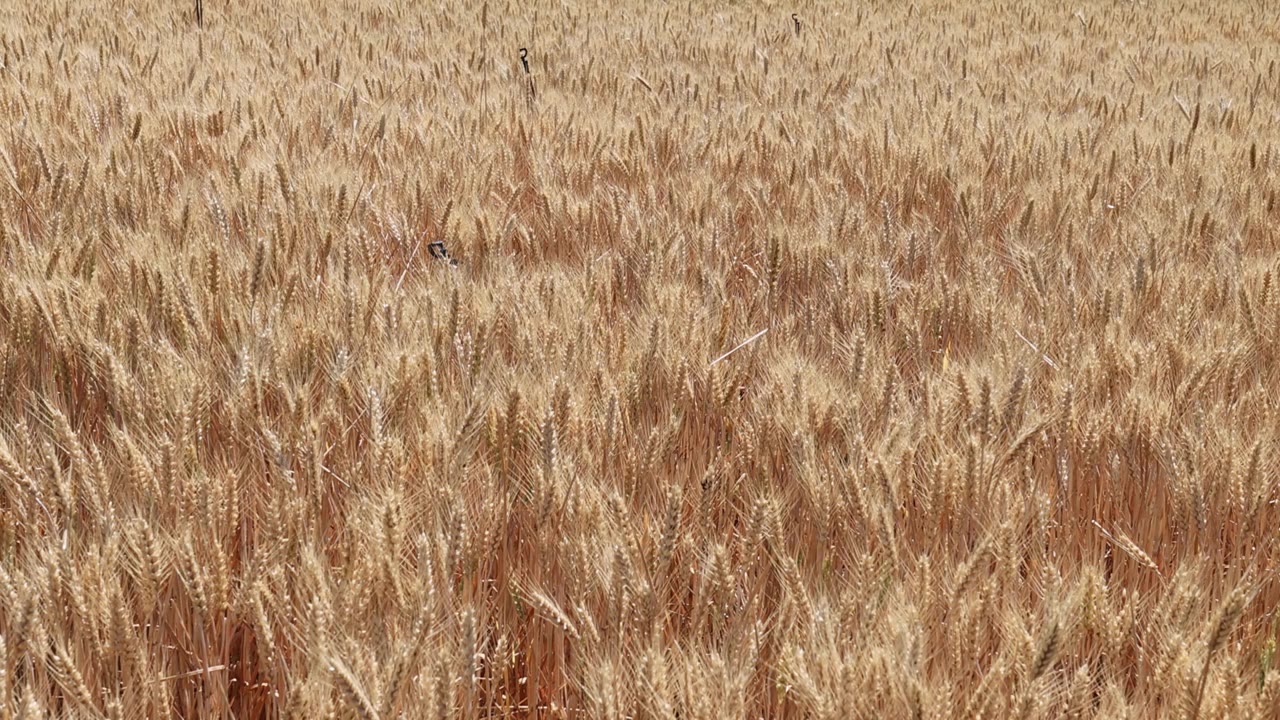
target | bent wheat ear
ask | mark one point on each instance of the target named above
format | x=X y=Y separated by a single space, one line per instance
x=352 y=690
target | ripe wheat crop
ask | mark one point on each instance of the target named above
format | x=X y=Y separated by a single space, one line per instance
x=898 y=359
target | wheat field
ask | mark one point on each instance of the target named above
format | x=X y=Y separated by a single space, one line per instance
x=823 y=360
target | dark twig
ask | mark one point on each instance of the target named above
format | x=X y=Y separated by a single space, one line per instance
x=532 y=93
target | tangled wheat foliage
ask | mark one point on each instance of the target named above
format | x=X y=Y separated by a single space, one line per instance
x=805 y=361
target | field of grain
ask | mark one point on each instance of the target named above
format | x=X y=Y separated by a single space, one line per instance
x=824 y=360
